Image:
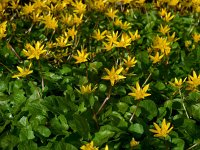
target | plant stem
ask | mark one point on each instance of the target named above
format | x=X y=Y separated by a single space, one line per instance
x=86 y=65
x=130 y=120
x=13 y=50
x=196 y=144
x=6 y=67
x=105 y=100
x=167 y=147
x=146 y=79
x=183 y=103
x=42 y=79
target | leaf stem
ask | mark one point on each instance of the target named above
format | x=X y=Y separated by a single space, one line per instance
x=86 y=65
x=105 y=100
x=194 y=145
x=13 y=50
x=42 y=79
x=146 y=79
x=183 y=103
x=6 y=67
x=130 y=120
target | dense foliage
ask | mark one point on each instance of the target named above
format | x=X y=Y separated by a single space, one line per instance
x=99 y=74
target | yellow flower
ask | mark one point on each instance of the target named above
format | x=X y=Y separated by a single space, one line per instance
x=196 y=37
x=98 y=35
x=112 y=38
x=156 y=58
x=50 y=22
x=124 y=42
x=108 y=46
x=130 y=62
x=106 y=147
x=168 y=17
x=134 y=143
x=134 y=36
x=126 y=1
x=81 y=57
x=99 y=5
x=77 y=20
x=141 y=2
x=39 y=4
x=163 y=12
x=177 y=83
x=162 y=131
x=72 y=32
x=23 y=72
x=14 y=4
x=60 y=6
x=125 y=25
x=111 y=13
x=164 y=29
x=193 y=81
x=3 y=29
x=27 y=9
x=173 y=2
x=161 y=44
x=79 y=7
x=67 y=19
x=172 y=37
x=62 y=41
x=117 y=22
x=188 y=43
x=34 y=52
x=138 y=92
x=36 y=17
x=89 y=146
x=113 y=75
x=87 y=89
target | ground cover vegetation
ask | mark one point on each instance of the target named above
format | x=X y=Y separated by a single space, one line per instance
x=99 y=74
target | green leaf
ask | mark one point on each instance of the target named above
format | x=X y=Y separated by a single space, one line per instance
x=65 y=69
x=122 y=107
x=149 y=109
x=136 y=128
x=52 y=76
x=27 y=145
x=83 y=80
x=102 y=137
x=162 y=112
x=179 y=144
x=26 y=133
x=144 y=57
x=120 y=90
x=92 y=100
x=44 y=131
x=194 y=96
x=195 y=111
x=94 y=66
x=36 y=108
x=177 y=104
x=160 y=86
x=24 y=121
x=8 y=141
x=56 y=104
x=102 y=88
x=63 y=122
x=80 y=125
x=63 y=146
x=118 y=120
x=82 y=107
x=3 y=86
x=59 y=125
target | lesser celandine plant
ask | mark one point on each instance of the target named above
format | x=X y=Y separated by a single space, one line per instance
x=99 y=74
